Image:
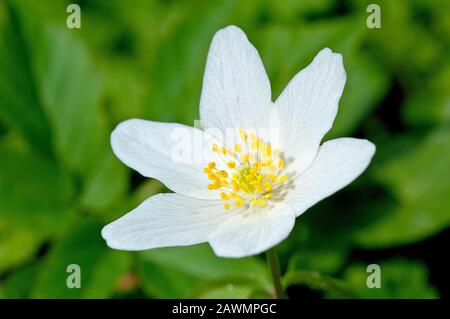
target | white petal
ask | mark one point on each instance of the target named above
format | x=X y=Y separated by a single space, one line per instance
x=338 y=163
x=236 y=90
x=252 y=232
x=172 y=153
x=166 y=220
x=307 y=107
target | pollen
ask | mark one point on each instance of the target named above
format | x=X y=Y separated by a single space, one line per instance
x=231 y=164
x=248 y=173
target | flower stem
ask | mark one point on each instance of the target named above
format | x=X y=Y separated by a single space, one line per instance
x=272 y=260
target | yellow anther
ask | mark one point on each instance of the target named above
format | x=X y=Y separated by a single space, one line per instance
x=243 y=134
x=223 y=174
x=244 y=157
x=251 y=171
x=239 y=202
x=280 y=163
x=260 y=144
x=244 y=187
x=212 y=165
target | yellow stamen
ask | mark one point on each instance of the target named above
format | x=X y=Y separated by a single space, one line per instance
x=252 y=172
x=280 y=163
x=239 y=202
x=223 y=174
x=243 y=134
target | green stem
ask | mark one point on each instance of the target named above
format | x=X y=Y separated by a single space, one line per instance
x=272 y=260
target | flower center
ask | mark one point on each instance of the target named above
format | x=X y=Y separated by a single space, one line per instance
x=253 y=172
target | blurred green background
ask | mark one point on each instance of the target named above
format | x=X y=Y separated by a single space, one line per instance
x=63 y=90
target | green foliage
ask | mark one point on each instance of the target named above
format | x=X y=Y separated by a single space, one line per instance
x=100 y=267
x=399 y=279
x=185 y=271
x=63 y=90
x=418 y=178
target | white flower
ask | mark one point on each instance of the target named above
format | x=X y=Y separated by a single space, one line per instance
x=241 y=199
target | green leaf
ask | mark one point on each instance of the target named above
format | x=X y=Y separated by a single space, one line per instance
x=35 y=194
x=36 y=204
x=399 y=279
x=419 y=180
x=225 y=288
x=285 y=51
x=396 y=42
x=366 y=84
x=323 y=259
x=429 y=104
x=17 y=246
x=317 y=242
x=19 y=284
x=228 y=291
x=175 y=90
x=174 y=272
x=292 y=10
x=100 y=266
x=20 y=107
x=332 y=288
x=106 y=184
x=65 y=88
